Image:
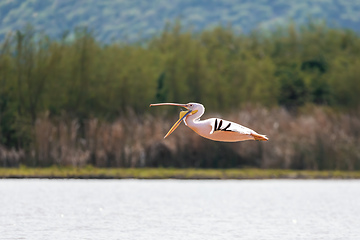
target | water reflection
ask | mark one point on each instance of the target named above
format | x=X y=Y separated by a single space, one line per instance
x=178 y=209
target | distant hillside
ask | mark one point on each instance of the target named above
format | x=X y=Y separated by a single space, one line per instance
x=129 y=20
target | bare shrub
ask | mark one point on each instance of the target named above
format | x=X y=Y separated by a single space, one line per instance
x=316 y=139
x=11 y=157
x=59 y=143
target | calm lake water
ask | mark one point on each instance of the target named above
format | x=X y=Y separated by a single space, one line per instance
x=179 y=209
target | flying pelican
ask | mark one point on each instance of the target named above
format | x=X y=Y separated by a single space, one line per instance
x=214 y=128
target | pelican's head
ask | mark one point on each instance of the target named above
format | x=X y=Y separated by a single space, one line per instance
x=191 y=109
x=195 y=107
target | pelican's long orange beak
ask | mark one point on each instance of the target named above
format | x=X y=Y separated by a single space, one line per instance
x=183 y=114
x=169 y=104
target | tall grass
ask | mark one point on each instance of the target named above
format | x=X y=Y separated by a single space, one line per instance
x=318 y=139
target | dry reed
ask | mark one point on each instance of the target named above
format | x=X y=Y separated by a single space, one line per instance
x=320 y=140
x=11 y=157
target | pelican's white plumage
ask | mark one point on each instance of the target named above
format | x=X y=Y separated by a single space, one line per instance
x=214 y=128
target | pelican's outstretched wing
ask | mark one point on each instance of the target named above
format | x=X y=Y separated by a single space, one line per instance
x=220 y=125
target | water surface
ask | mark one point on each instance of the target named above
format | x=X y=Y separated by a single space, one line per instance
x=179 y=209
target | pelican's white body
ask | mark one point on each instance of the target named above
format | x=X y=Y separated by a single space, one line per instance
x=206 y=128
x=214 y=128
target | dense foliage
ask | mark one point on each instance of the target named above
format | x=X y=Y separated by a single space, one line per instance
x=84 y=79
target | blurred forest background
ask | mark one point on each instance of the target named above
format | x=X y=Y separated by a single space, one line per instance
x=78 y=100
x=131 y=20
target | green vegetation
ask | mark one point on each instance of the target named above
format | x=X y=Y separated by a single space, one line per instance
x=73 y=103
x=166 y=173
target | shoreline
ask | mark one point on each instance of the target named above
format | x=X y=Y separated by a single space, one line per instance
x=89 y=172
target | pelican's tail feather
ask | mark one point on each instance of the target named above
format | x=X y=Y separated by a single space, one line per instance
x=259 y=137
